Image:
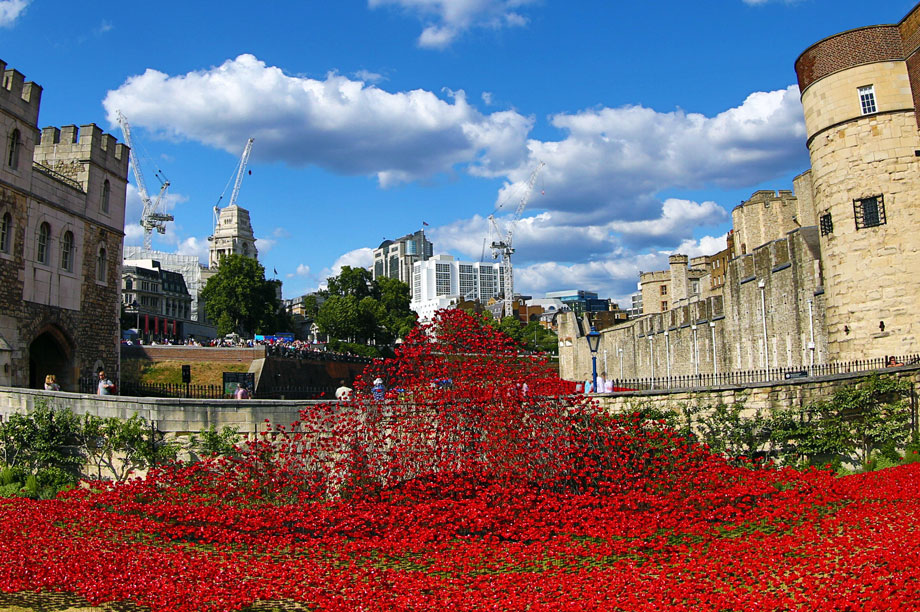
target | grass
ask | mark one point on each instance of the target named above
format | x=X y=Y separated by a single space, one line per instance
x=170 y=372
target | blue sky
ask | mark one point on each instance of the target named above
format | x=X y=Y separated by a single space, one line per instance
x=371 y=117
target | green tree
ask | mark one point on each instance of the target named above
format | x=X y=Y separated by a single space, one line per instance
x=239 y=299
x=361 y=310
x=356 y=282
x=44 y=439
x=115 y=447
x=859 y=421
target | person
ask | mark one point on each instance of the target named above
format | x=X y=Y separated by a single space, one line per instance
x=242 y=391
x=343 y=391
x=893 y=363
x=589 y=386
x=378 y=389
x=51 y=383
x=105 y=386
x=601 y=382
x=608 y=386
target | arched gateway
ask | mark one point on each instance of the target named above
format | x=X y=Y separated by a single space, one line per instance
x=51 y=352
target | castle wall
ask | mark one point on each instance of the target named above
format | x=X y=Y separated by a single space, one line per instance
x=721 y=333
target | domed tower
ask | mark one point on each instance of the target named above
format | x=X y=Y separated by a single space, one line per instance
x=860 y=91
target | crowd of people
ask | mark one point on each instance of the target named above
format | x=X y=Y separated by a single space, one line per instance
x=299 y=349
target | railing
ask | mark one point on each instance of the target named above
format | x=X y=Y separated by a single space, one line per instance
x=180 y=390
x=742 y=377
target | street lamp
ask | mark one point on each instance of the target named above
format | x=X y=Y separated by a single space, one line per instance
x=594 y=341
x=137 y=311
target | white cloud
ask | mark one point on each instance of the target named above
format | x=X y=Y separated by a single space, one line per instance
x=346 y=126
x=10 y=10
x=358 y=258
x=194 y=246
x=445 y=20
x=613 y=161
x=302 y=270
x=369 y=77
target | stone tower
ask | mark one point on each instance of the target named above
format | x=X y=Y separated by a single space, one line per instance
x=232 y=236
x=860 y=90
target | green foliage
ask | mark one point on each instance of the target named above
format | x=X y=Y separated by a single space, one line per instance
x=115 y=447
x=859 y=422
x=361 y=311
x=45 y=438
x=240 y=299
x=728 y=431
x=864 y=424
x=213 y=442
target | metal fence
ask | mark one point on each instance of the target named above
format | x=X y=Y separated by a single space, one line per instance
x=742 y=377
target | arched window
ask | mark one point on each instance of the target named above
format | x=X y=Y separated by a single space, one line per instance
x=101 y=265
x=12 y=156
x=67 y=251
x=6 y=233
x=44 y=239
x=106 y=190
x=129 y=285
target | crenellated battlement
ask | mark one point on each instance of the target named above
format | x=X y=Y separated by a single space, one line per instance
x=88 y=144
x=18 y=96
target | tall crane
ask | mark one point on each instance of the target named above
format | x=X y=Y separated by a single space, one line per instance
x=241 y=169
x=502 y=246
x=153 y=217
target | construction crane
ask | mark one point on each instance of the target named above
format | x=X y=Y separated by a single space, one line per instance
x=502 y=246
x=153 y=217
x=240 y=171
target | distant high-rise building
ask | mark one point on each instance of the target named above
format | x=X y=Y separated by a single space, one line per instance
x=232 y=236
x=443 y=282
x=395 y=258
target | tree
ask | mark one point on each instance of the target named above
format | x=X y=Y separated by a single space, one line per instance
x=361 y=310
x=239 y=298
x=356 y=282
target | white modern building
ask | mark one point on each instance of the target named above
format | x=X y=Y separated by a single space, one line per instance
x=444 y=282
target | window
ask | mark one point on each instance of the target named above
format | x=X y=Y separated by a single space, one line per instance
x=664 y=290
x=867 y=100
x=106 y=191
x=12 y=154
x=67 y=251
x=664 y=306
x=129 y=285
x=869 y=212
x=101 y=265
x=6 y=233
x=44 y=237
x=827 y=224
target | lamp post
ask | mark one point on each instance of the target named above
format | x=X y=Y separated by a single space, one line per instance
x=594 y=341
x=137 y=311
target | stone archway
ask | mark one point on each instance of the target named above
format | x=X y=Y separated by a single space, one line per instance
x=51 y=352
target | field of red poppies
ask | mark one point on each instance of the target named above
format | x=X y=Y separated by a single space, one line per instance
x=480 y=483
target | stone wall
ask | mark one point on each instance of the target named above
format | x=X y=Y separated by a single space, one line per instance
x=173 y=416
x=721 y=333
x=755 y=397
x=189 y=354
